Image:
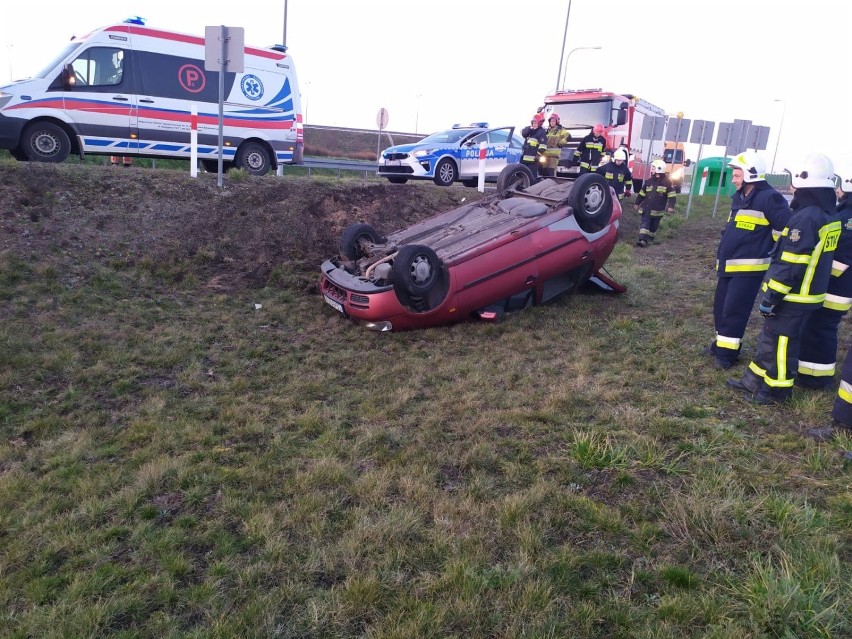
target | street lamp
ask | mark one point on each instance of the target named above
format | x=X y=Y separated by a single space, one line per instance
x=566 y=62
x=780 y=126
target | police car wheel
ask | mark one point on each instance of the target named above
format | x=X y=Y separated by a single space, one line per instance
x=45 y=142
x=445 y=173
x=254 y=158
x=591 y=200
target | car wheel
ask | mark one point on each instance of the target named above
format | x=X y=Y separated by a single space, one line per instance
x=353 y=235
x=397 y=180
x=445 y=173
x=45 y=142
x=18 y=154
x=254 y=158
x=419 y=278
x=512 y=177
x=212 y=166
x=591 y=200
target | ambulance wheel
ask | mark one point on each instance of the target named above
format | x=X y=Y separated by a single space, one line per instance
x=212 y=166
x=254 y=158
x=45 y=142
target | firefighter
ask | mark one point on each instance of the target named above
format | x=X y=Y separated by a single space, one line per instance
x=655 y=198
x=535 y=144
x=795 y=283
x=557 y=137
x=758 y=215
x=818 y=354
x=589 y=151
x=617 y=174
x=841 y=412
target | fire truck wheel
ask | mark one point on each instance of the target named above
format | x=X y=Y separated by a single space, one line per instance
x=254 y=158
x=45 y=142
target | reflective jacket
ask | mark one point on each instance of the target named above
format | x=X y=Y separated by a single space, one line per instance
x=618 y=176
x=589 y=151
x=535 y=144
x=838 y=297
x=802 y=259
x=657 y=194
x=557 y=137
x=754 y=224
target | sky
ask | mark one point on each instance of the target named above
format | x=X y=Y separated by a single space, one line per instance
x=779 y=63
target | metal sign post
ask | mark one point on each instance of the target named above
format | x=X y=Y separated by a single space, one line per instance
x=702 y=133
x=381 y=121
x=652 y=131
x=757 y=138
x=224 y=52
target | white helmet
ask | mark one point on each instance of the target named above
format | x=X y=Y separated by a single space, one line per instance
x=817 y=172
x=658 y=166
x=844 y=177
x=620 y=154
x=752 y=164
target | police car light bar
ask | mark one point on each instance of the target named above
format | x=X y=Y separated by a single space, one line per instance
x=472 y=125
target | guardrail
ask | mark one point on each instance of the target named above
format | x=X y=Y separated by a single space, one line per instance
x=366 y=166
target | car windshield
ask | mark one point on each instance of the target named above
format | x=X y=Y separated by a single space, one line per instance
x=52 y=65
x=442 y=137
x=582 y=115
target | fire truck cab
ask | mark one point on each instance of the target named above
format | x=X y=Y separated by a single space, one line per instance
x=622 y=115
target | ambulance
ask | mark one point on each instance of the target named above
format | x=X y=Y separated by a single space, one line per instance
x=130 y=90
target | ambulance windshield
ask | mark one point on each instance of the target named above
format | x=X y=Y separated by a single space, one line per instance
x=65 y=53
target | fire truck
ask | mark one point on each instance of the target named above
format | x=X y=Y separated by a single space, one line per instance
x=622 y=115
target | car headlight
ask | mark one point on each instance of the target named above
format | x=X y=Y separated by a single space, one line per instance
x=419 y=153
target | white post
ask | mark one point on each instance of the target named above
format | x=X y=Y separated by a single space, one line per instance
x=703 y=181
x=193 y=140
x=482 y=151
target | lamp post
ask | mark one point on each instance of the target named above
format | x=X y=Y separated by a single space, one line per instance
x=780 y=127
x=566 y=62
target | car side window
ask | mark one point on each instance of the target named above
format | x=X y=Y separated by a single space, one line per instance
x=99 y=67
x=500 y=136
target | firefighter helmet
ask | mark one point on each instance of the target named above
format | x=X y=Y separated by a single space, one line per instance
x=752 y=164
x=599 y=129
x=816 y=172
x=658 y=166
x=620 y=154
x=538 y=118
x=554 y=116
x=844 y=178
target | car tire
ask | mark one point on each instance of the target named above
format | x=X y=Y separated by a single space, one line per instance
x=254 y=158
x=212 y=166
x=420 y=279
x=397 y=180
x=45 y=142
x=445 y=172
x=512 y=177
x=350 y=241
x=591 y=199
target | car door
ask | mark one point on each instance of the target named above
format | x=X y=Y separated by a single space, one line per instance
x=100 y=99
x=498 y=144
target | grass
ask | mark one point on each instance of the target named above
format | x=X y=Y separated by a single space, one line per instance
x=176 y=463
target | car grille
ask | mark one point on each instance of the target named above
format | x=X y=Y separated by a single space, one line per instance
x=359 y=301
x=396 y=169
x=334 y=292
x=394 y=156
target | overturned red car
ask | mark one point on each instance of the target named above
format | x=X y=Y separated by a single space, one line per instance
x=519 y=247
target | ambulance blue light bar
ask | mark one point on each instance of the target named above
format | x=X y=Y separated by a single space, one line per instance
x=135 y=20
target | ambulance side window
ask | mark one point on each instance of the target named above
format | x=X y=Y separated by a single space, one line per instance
x=99 y=67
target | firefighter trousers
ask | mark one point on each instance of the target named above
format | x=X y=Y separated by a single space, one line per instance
x=818 y=353
x=773 y=370
x=842 y=410
x=732 y=305
x=649 y=225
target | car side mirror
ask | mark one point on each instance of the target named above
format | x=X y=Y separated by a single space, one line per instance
x=687 y=163
x=68 y=78
x=621 y=117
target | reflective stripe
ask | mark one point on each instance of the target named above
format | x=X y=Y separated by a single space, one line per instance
x=795 y=258
x=747 y=265
x=837 y=303
x=732 y=343
x=781 y=365
x=775 y=235
x=805 y=299
x=752 y=217
x=777 y=286
x=838 y=268
x=816 y=370
x=845 y=391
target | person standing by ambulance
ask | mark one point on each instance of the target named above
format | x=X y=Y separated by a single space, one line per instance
x=535 y=144
x=590 y=149
x=616 y=173
x=557 y=137
x=759 y=214
x=818 y=355
x=794 y=285
x=657 y=196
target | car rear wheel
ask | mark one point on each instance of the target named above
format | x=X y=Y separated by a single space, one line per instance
x=254 y=158
x=397 y=180
x=45 y=142
x=445 y=173
x=419 y=278
x=353 y=235
x=512 y=177
x=591 y=200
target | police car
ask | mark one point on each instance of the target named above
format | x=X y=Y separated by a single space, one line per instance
x=452 y=155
